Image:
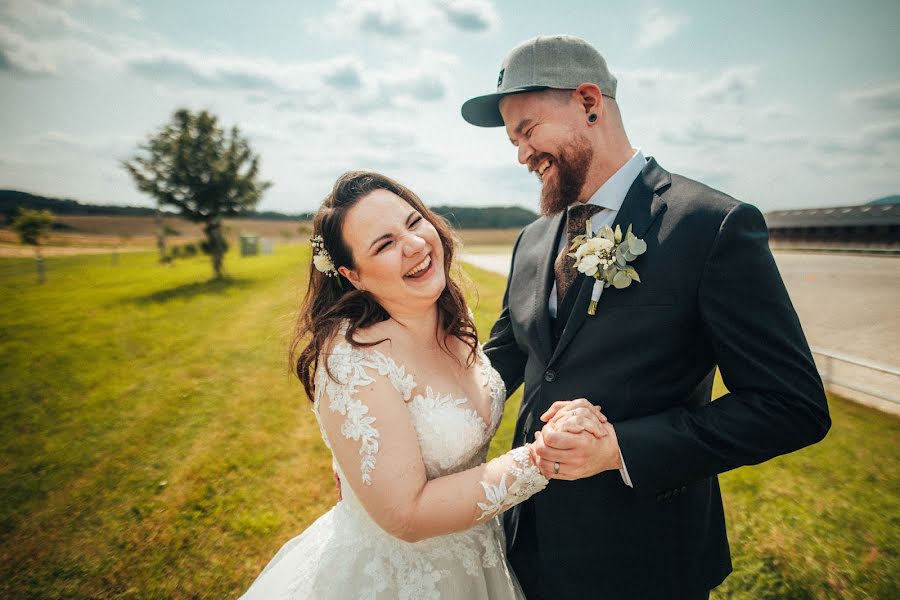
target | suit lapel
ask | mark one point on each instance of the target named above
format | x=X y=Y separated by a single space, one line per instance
x=640 y=208
x=549 y=243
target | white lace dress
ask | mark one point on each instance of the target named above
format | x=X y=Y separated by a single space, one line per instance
x=391 y=444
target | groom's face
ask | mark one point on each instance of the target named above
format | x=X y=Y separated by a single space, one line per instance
x=545 y=127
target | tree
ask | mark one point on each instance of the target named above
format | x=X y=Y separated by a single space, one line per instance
x=32 y=225
x=193 y=165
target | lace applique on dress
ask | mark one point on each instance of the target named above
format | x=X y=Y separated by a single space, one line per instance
x=495 y=383
x=348 y=366
x=449 y=431
x=527 y=481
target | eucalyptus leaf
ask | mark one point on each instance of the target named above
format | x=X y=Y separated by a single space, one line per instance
x=621 y=280
x=629 y=256
x=637 y=247
x=632 y=273
x=608 y=273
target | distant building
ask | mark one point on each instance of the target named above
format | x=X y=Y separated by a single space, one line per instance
x=867 y=225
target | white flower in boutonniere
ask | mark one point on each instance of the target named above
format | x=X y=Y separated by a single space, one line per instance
x=605 y=257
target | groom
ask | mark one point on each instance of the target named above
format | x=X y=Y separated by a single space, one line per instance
x=636 y=514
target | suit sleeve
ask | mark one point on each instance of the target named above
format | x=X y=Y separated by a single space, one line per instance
x=776 y=402
x=501 y=348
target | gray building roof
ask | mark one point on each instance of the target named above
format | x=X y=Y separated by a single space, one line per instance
x=836 y=216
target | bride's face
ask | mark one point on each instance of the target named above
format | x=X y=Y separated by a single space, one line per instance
x=397 y=253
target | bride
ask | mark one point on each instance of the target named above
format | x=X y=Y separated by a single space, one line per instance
x=407 y=402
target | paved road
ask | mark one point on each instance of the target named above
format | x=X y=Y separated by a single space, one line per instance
x=849 y=304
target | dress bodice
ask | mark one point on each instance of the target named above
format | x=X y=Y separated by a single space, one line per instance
x=452 y=434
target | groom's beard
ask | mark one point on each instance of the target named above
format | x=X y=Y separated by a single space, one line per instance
x=572 y=165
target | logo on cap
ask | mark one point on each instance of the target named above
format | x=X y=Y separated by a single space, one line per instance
x=500 y=79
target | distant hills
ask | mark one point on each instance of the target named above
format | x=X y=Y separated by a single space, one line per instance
x=490 y=217
x=886 y=200
x=10 y=200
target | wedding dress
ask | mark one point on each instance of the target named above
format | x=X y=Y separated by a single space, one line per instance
x=389 y=435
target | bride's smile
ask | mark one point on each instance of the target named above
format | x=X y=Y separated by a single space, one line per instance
x=397 y=253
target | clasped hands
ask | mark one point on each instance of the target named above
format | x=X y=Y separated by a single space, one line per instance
x=577 y=441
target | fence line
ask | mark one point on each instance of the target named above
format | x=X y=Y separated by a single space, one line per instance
x=828 y=370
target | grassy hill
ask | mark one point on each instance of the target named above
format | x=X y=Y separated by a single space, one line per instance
x=154 y=445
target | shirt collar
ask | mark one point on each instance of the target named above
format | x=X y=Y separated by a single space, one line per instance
x=612 y=193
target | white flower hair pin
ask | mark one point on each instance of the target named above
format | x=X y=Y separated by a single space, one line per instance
x=605 y=257
x=321 y=258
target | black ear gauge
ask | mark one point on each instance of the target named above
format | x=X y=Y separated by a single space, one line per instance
x=592 y=118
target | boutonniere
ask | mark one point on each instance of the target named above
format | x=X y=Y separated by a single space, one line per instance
x=605 y=257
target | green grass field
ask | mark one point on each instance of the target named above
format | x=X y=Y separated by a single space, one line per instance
x=154 y=444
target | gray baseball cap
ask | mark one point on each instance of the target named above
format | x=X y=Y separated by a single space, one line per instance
x=547 y=61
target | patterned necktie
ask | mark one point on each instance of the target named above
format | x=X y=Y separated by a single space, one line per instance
x=564 y=267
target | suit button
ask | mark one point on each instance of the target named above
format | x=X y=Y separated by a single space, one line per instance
x=550 y=376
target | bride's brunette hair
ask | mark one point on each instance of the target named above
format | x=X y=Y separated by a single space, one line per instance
x=331 y=300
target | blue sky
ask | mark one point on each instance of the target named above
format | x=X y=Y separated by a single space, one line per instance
x=782 y=104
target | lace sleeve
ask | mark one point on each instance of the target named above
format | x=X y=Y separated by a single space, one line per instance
x=348 y=369
x=371 y=434
x=526 y=481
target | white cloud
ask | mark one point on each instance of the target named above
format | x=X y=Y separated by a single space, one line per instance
x=888 y=131
x=648 y=79
x=470 y=15
x=46 y=17
x=105 y=146
x=655 y=27
x=60 y=15
x=867 y=143
x=885 y=98
x=697 y=133
x=342 y=81
x=795 y=140
x=732 y=86
x=23 y=56
x=44 y=38
x=776 y=111
x=120 y=7
x=394 y=20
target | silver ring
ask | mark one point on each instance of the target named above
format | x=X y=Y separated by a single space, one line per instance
x=556 y=468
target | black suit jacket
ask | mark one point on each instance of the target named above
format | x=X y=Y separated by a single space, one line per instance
x=710 y=295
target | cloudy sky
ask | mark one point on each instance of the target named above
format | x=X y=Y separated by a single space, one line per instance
x=783 y=104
